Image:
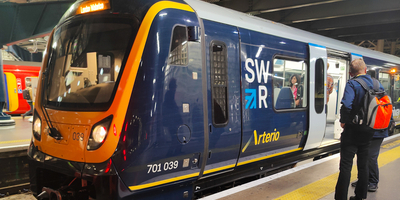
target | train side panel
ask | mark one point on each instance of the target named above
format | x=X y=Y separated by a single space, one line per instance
x=388 y=74
x=223 y=86
x=162 y=140
x=12 y=101
x=272 y=122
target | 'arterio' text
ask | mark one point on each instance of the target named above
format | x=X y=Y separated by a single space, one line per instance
x=266 y=137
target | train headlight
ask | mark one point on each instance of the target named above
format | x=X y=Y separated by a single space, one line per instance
x=37 y=127
x=99 y=133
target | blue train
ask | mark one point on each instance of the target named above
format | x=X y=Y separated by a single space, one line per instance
x=148 y=99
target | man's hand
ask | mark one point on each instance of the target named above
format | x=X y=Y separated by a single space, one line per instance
x=342 y=125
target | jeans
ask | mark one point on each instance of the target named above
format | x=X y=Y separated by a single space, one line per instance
x=373 y=161
x=354 y=140
x=29 y=112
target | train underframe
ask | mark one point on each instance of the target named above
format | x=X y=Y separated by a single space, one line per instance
x=53 y=178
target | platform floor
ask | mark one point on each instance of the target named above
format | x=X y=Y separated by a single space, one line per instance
x=16 y=137
x=312 y=180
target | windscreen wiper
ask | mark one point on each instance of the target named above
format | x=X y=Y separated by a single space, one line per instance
x=53 y=132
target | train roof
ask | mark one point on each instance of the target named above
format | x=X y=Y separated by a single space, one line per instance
x=223 y=15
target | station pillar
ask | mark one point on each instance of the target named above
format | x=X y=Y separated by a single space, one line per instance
x=5 y=120
x=380 y=45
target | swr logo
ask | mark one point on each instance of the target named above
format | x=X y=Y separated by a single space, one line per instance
x=261 y=72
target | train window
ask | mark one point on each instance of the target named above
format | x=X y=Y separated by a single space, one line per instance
x=104 y=68
x=178 y=52
x=384 y=78
x=28 y=81
x=219 y=83
x=290 y=83
x=85 y=62
x=319 y=85
x=371 y=73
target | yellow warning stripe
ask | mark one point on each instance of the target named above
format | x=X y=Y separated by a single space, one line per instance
x=207 y=171
x=14 y=141
x=269 y=156
x=325 y=186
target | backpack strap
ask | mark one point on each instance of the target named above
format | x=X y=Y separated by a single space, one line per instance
x=363 y=83
x=376 y=84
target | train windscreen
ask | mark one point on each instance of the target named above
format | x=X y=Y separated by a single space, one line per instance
x=86 y=60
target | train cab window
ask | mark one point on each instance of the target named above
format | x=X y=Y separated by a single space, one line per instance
x=384 y=78
x=178 y=54
x=219 y=83
x=86 y=59
x=319 y=85
x=290 y=83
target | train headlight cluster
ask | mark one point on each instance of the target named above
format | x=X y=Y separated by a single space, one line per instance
x=37 y=127
x=99 y=133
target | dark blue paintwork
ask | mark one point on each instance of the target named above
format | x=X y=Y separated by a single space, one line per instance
x=224 y=141
x=155 y=111
x=3 y=93
x=291 y=124
x=2 y=83
x=372 y=61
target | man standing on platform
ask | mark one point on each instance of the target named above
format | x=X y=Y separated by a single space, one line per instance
x=373 y=154
x=29 y=99
x=355 y=139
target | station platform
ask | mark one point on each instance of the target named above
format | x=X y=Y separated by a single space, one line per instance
x=18 y=137
x=309 y=180
x=313 y=180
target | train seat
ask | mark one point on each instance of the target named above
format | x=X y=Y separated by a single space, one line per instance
x=285 y=99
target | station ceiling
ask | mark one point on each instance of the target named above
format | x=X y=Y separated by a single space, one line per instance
x=361 y=22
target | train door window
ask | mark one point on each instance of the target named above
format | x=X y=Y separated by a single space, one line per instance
x=104 y=67
x=219 y=83
x=319 y=85
x=28 y=82
x=384 y=78
x=32 y=82
x=372 y=73
x=396 y=88
x=178 y=54
x=290 y=83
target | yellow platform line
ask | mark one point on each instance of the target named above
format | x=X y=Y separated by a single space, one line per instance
x=15 y=141
x=325 y=186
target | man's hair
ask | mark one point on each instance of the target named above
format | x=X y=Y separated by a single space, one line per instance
x=357 y=66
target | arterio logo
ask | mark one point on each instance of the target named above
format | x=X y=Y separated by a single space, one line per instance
x=262 y=138
x=256 y=98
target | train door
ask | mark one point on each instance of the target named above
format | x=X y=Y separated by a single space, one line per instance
x=396 y=97
x=11 y=92
x=337 y=69
x=317 y=109
x=223 y=96
x=386 y=78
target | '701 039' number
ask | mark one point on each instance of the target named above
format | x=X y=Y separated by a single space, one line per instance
x=154 y=168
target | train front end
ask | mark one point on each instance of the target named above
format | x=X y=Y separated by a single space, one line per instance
x=81 y=103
